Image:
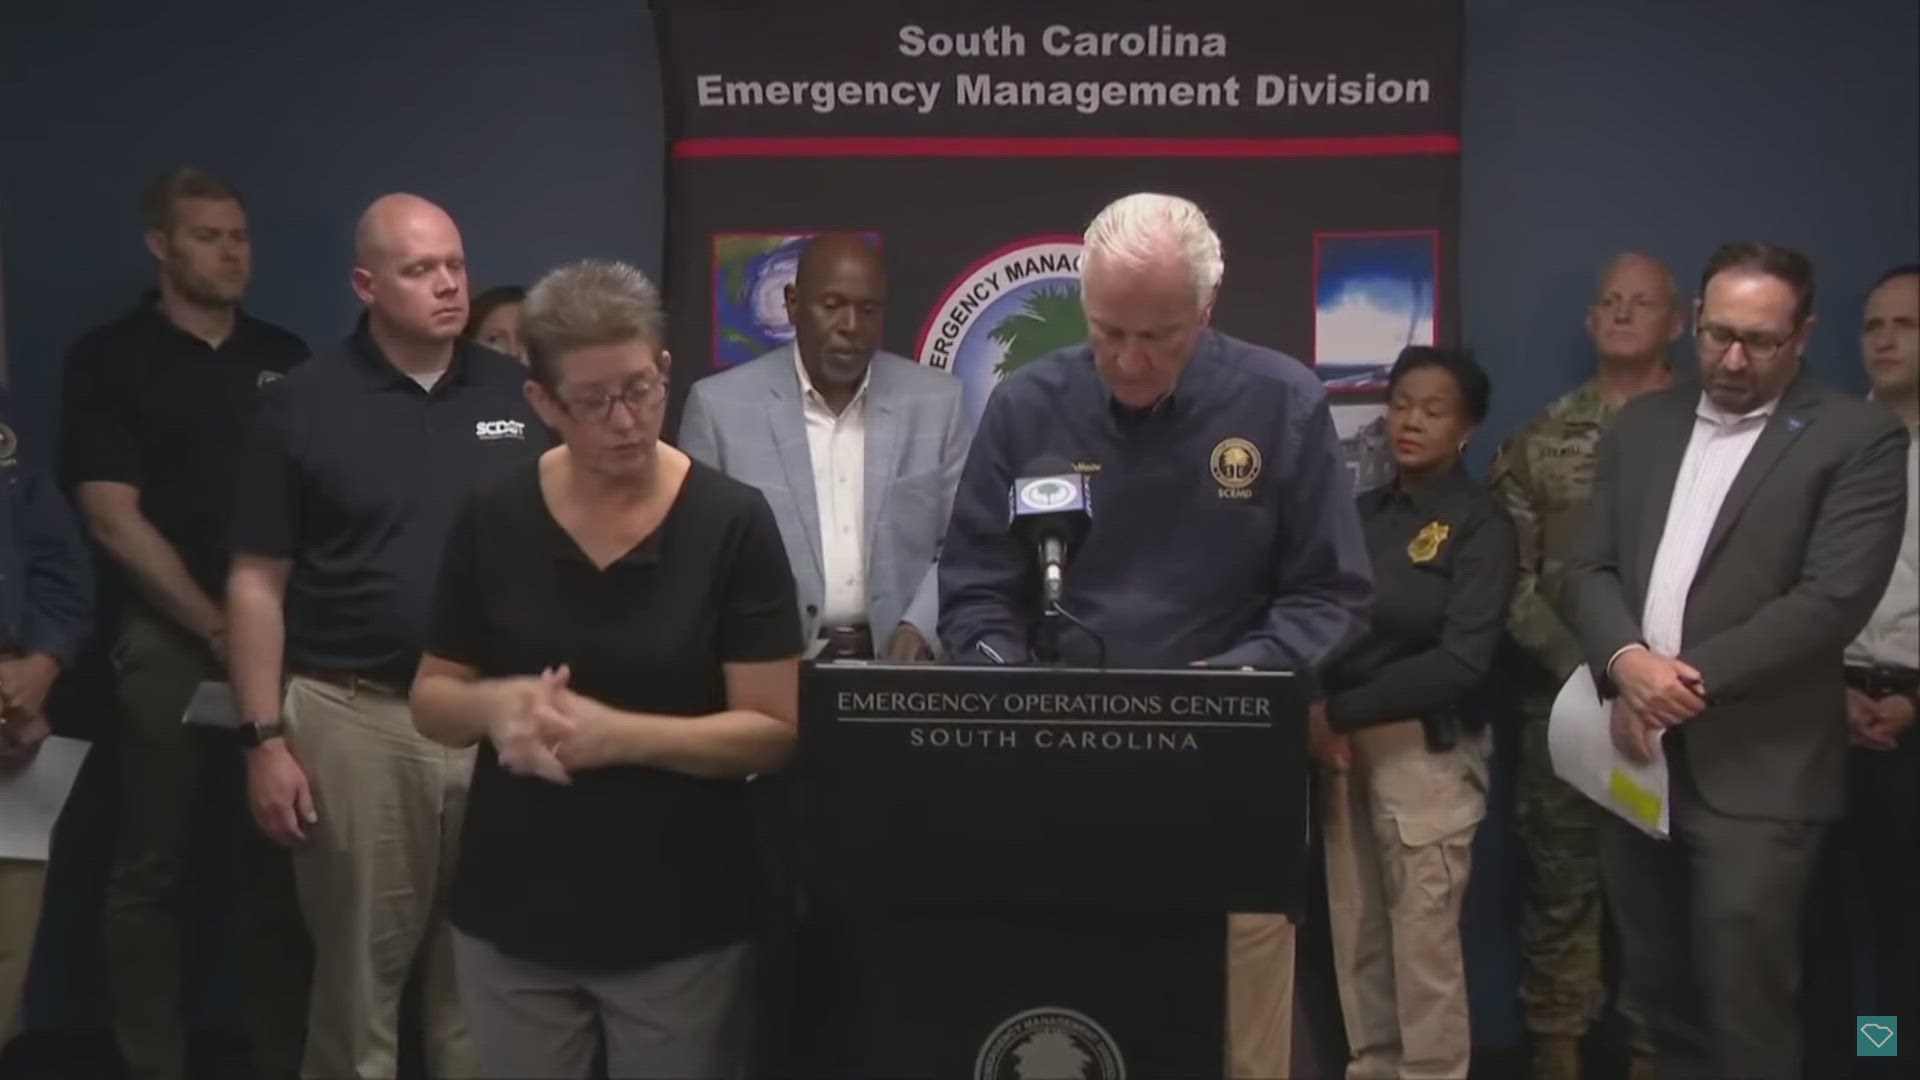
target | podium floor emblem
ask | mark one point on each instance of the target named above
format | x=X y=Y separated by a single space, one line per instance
x=1049 y=1044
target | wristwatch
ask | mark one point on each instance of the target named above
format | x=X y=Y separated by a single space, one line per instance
x=252 y=735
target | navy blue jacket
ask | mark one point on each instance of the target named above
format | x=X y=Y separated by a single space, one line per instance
x=46 y=572
x=1224 y=527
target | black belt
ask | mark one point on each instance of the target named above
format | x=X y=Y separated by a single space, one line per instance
x=1883 y=680
x=355 y=683
x=846 y=643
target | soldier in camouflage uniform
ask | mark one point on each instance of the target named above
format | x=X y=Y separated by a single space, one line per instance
x=1543 y=474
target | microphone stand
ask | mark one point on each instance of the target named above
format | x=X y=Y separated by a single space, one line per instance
x=1044 y=631
x=1054 y=618
x=1045 y=635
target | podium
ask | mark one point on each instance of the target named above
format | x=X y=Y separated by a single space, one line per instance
x=1024 y=872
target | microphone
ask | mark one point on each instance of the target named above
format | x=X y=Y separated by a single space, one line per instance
x=1050 y=507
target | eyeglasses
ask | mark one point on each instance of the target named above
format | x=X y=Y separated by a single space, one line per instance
x=1758 y=345
x=636 y=395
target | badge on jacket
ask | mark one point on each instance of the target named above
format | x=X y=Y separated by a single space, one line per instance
x=1426 y=543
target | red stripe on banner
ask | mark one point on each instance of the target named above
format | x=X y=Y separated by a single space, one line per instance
x=1063 y=147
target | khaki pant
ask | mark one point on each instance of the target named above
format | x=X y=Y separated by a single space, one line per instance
x=21 y=883
x=1399 y=832
x=373 y=879
x=1259 y=997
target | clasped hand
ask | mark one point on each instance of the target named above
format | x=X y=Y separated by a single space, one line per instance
x=1662 y=689
x=1656 y=692
x=544 y=729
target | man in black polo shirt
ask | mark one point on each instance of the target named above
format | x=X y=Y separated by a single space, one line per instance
x=362 y=458
x=157 y=407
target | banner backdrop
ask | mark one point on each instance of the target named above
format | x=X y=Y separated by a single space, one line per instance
x=972 y=142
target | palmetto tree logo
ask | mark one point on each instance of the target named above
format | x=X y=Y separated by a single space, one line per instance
x=1014 y=305
x=1050 y=319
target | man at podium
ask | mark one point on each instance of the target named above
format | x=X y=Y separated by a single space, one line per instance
x=1223 y=533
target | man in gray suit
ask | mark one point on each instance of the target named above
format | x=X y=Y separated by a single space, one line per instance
x=856 y=450
x=1741 y=532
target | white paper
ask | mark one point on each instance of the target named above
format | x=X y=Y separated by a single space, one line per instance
x=31 y=798
x=212 y=705
x=1580 y=741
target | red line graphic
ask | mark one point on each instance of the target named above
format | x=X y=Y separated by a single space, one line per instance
x=872 y=146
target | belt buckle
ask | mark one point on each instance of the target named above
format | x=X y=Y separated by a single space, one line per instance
x=843 y=642
x=1879 y=680
x=358 y=684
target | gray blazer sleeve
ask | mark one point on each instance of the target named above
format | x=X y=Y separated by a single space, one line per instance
x=1594 y=596
x=1850 y=554
x=923 y=613
x=699 y=439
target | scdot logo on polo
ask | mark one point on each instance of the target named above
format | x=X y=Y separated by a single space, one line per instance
x=1049 y=1044
x=9 y=445
x=490 y=430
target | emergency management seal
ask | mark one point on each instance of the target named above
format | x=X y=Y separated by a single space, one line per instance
x=1048 y=1044
x=1014 y=305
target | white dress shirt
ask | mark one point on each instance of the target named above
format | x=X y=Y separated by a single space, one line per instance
x=1719 y=447
x=837 y=448
x=1892 y=636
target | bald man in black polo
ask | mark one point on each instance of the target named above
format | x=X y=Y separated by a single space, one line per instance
x=362 y=458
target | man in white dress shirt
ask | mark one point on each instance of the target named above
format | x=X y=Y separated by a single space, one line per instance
x=1873 y=869
x=857 y=450
x=1741 y=532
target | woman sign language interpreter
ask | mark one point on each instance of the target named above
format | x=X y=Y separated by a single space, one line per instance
x=616 y=626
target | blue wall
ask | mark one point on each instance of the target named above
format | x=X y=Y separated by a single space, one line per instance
x=536 y=125
x=1662 y=124
x=1672 y=125
x=1667 y=125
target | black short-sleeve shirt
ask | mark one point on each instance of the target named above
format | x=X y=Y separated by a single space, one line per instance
x=148 y=404
x=355 y=474
x=627 y=864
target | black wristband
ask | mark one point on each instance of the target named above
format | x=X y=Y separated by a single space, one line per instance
x=253 y=735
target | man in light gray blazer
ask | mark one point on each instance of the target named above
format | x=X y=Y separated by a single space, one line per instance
x=856 y=450
x=1741 y=532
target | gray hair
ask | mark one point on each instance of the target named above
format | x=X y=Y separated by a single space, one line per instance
x=1136 y=230
x=587 y=304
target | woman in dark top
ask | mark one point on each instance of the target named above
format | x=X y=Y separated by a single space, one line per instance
x=1406 y=764
x=496 y=319
x=616 y=627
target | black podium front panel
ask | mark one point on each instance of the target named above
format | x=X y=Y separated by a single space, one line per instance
x=900 y=995
x=1018 y=872
x=1145 y=791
